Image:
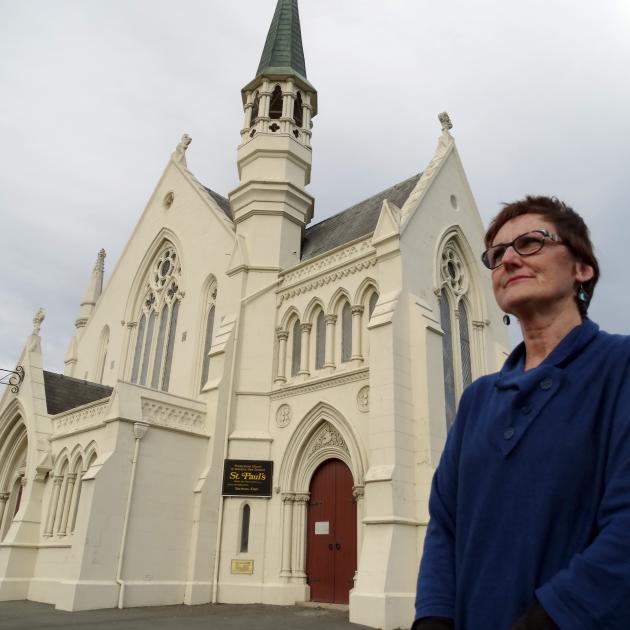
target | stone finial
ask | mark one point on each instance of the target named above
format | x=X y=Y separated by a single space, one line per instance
x=180 y=150
x=37 y=320
x=100 y=261
x=445 y=120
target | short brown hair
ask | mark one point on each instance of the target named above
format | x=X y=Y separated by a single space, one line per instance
x=568 y=224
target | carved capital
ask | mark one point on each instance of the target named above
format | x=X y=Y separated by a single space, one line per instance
x=358 y=309
x=302 y=498
x=306 y=327
x=331 y=319
x=358 y=492
x=288 y=497
x=281 y=334
x=4 y=497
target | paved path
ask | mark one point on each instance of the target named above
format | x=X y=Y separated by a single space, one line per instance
x=22 y=615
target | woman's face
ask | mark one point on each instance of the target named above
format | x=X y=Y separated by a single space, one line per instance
x=543 y=282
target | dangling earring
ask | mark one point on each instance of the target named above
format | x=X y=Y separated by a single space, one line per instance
x=582 y=295
x=506 y=319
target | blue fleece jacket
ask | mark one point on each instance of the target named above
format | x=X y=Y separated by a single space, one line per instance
x=532 y=493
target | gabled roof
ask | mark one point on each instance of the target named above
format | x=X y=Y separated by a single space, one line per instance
x=283 y=52
x=222 y=202
x=354 y=222
x=64 y=392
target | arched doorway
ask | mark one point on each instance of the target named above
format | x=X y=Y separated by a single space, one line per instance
x=331 y=554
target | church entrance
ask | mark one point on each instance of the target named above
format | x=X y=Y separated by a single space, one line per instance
x=331 y=553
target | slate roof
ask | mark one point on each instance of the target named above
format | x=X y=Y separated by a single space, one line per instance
x=283 y=52
x=354 y=222
x=223 y=203
x=64 y=392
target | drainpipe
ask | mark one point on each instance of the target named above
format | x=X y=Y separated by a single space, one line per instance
x=139 y=431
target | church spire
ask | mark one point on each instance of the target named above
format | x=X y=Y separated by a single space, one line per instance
x=283 y=52
x=93 y=291
x=271 y=206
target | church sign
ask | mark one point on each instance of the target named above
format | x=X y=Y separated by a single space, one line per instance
x=247 y=477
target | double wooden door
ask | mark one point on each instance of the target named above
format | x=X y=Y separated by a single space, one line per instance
x=331 y=554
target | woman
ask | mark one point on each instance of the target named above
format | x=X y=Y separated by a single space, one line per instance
x=530 y=504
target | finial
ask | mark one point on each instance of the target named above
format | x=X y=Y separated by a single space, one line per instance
x=180 y=150
x=100 y=261
x=445 y=120
x=37 y=320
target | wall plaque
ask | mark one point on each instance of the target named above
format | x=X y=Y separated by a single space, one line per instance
x=247 y=477
x=242 y=567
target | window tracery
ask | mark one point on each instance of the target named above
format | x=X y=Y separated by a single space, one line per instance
x=153 y=354
x=455 y=322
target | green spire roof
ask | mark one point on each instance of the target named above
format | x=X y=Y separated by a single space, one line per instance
x=283 y=52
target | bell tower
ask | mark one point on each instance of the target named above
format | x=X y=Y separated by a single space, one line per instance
x=270 y=206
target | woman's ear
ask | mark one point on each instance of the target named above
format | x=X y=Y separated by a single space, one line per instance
x=583 y=272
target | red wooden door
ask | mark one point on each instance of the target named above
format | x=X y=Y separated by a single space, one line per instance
x=331 y=554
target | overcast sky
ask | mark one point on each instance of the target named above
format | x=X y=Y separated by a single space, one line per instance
x=96 y=95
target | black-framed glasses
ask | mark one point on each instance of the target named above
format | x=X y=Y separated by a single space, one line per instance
x=524 y=245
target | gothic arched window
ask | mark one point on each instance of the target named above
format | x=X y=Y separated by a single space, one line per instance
x=255 y=110
x=346 y=333
x=298 y=111
x=372 y=304
x=320 y=341
x=157 y=323
x=296 y=346
x=455 y=324
x=275 y=106
x=244 y=546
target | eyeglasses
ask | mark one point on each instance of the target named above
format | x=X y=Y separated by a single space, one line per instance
x=524 y=245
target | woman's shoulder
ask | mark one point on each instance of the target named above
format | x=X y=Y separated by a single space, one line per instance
x=614 y=345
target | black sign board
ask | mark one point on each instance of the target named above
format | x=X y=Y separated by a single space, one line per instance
x=247 y=477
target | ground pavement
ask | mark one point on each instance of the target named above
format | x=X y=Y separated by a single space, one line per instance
x=23 y=615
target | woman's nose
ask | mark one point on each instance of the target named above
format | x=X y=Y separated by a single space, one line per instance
x=510 y=256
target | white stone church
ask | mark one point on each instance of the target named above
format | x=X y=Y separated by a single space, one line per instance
x=254 y=404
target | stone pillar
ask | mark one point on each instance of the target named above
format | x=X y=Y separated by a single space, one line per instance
x=74 y=503
x=298 y=561
x=282 y=336
x=305 y=344
x=358 y=493
x=287 y=533
x=477 y=352
x=357 y=313
x=54 y=500
x=4 y=497
x=63 y=525
x=331 y=320
x=60 y=504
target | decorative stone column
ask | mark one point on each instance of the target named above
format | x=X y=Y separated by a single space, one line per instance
x=282 y=336
x=74 y=503
x=477 y=352
x=60 y=504
x=4 y=497
x=358 y=493
x=287 y=533
x=54 y=500
x=357 y=313
x=305 y=346
x=63 y=526
x=331 y=320
x=298 y=561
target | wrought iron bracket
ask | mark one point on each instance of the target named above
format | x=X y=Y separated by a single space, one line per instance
x=12 y=378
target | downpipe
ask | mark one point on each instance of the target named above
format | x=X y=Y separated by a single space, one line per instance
x=139 y=431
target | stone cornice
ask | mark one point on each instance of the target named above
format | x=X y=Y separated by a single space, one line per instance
x=334 y=380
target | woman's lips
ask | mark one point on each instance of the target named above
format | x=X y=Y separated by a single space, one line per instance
x=515 y=279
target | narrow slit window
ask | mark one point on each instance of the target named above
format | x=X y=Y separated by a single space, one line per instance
x=298 y=110
x=170 y=346
x=138 y=351
x=346 y=333
x=447 y=353
x=254 y=113
x=147 y=349
x=207 y=346
x=320 y=341
x=372 y=304
x=296 y=355
x=464 y=344
x=245 y=529
x=275 y=106
x=159 y=349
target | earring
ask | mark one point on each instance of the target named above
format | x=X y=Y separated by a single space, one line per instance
x=582 y=295
x=506 y=319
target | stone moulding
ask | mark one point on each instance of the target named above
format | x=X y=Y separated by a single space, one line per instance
x=323 y=280
x=331 y=381
x=316 y=270
x=81 y=418
x=169 y=416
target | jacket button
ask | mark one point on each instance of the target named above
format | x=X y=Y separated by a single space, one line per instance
x=546 y=383
x=526 y=408
x=508 y=433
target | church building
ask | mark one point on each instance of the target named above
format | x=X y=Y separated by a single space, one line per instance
x=253 y=405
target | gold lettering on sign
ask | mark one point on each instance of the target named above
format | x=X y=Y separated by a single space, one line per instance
x=242 y=567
